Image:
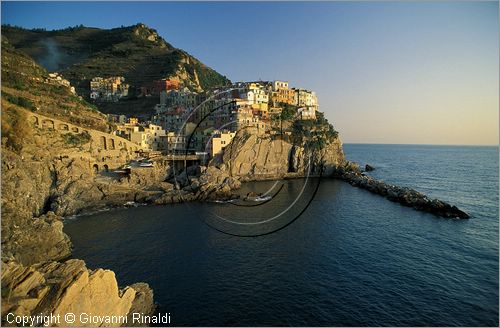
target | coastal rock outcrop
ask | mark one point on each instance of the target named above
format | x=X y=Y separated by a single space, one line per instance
x=264 y=157
x=209 y=183
x=40 y=239
x=59 y=288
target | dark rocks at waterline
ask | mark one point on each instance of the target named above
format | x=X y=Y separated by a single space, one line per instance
x=405 y=196
x=369 y=168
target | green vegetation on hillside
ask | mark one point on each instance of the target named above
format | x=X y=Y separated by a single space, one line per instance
x=20 y=101
x=136 y=52
x=288 y=112
x=76 y=140
x=24 y=85
x=315 y=134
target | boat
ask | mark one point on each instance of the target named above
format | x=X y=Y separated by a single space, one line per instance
x=263 y=198
x=251 y=196
x=146 y=164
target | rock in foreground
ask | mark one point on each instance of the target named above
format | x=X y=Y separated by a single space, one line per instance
x=69 y=287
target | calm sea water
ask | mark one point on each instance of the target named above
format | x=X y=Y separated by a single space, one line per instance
x=352 y=258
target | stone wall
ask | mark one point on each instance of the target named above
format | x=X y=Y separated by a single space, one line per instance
x=108 y=150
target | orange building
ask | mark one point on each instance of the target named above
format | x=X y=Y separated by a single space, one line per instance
x=164 y=85
x=286 y=96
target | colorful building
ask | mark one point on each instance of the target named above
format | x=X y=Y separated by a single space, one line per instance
x=220 y=140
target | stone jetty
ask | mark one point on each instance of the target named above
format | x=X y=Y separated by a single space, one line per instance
x=403 y=195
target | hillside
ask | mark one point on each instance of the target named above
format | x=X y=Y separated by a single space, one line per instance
x=136 y=52
x=25 y=85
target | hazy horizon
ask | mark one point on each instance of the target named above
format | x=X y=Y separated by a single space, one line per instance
x=385 y=73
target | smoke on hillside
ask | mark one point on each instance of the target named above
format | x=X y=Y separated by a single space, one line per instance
x=53 y=58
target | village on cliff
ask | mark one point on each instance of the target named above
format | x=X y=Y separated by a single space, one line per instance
x=204 y=122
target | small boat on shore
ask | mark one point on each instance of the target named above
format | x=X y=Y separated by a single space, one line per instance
x=251 y=196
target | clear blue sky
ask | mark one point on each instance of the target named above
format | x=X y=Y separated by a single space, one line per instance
x=388 y=72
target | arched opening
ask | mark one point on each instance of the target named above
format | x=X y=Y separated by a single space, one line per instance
x=96 y=168
x=34 y=120
x=64 y=127
x=74 y=129
x=103 y=142
x=111 y=143
x=106 y=168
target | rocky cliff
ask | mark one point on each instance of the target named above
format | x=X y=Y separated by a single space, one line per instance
x=44 y=179
x=55 y=288
x=261 y=157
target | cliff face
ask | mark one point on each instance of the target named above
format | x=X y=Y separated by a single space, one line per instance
x=253 y=157
x=47 y=179
x=46 y=176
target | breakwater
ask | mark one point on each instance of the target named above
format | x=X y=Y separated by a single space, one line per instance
x=403 y=195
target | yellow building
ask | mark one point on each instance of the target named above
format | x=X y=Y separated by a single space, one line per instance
x=282 y=94
x=261 y=111
x=133 y=121
x=220 y=140
x=286 y=96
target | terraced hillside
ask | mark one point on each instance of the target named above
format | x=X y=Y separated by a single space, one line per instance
x=136 y=52
x=25 y=85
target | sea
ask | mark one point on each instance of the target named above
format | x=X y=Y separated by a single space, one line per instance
x=320 y=252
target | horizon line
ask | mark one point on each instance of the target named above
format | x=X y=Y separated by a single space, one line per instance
x=420 y=144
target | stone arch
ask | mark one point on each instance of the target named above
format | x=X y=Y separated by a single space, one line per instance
x=85 y=131
x=64 y=127
x=111 y=143
x=74 y=129
x=48 y=124
x=34 y=120
x=96 y=168
x=103 y=142
x=106 y=167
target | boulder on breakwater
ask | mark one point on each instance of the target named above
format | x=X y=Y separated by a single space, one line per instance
x=369 y=168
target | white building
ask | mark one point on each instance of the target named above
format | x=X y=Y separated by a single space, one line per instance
x=255 y=94
x=152 y=137
x=305 y=98
x=277 y=85
x=307 y=113
x=176 y=143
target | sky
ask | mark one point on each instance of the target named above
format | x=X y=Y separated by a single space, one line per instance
x=384 y=72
